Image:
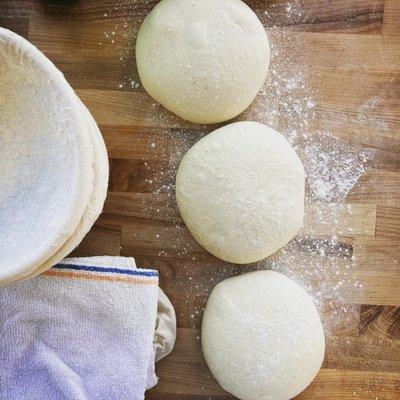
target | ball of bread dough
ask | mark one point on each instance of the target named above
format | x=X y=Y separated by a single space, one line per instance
x=240 y=191
x=204 y=60
x=262 y=336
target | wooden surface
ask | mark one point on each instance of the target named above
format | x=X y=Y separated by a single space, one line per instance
x=348 y=52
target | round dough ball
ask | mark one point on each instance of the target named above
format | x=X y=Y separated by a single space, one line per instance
x=204 y=60
x=262 y=336
x=240 y=191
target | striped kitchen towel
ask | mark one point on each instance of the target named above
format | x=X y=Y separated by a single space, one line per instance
x=82 y=330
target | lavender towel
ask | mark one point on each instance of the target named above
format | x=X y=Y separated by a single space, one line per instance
x=80 y=331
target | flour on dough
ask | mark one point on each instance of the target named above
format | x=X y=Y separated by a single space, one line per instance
x=204 y=60
x=262 y=336
x=240 y=191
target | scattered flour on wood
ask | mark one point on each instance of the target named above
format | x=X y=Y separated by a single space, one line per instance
x=323 y=263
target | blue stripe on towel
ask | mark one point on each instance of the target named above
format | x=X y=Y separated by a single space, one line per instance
x=135 y=272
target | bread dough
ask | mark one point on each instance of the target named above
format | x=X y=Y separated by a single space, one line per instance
x=204 y=60
x=262 y=336
x=96 y=202
x=46 y=174
x=240 y=191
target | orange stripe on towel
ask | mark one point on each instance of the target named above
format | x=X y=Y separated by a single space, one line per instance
x=83 y=275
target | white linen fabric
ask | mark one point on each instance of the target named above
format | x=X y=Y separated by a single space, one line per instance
x=46 y=168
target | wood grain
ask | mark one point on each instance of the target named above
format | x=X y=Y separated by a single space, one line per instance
x=348 y=53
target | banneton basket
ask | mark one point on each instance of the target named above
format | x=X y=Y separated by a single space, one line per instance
x=53 y=162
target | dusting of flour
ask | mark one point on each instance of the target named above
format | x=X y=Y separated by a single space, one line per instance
x=321 y=257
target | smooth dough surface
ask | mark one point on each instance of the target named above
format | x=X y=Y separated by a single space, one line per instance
x=262 y=336
x=240 y=191
x=46 y=174
x=204 y=60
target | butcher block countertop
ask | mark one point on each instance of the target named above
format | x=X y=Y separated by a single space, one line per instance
x=333 y=90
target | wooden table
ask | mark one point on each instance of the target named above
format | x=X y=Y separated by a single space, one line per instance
x=343 y=58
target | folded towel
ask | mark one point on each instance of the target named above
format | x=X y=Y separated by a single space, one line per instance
x=83 y=330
